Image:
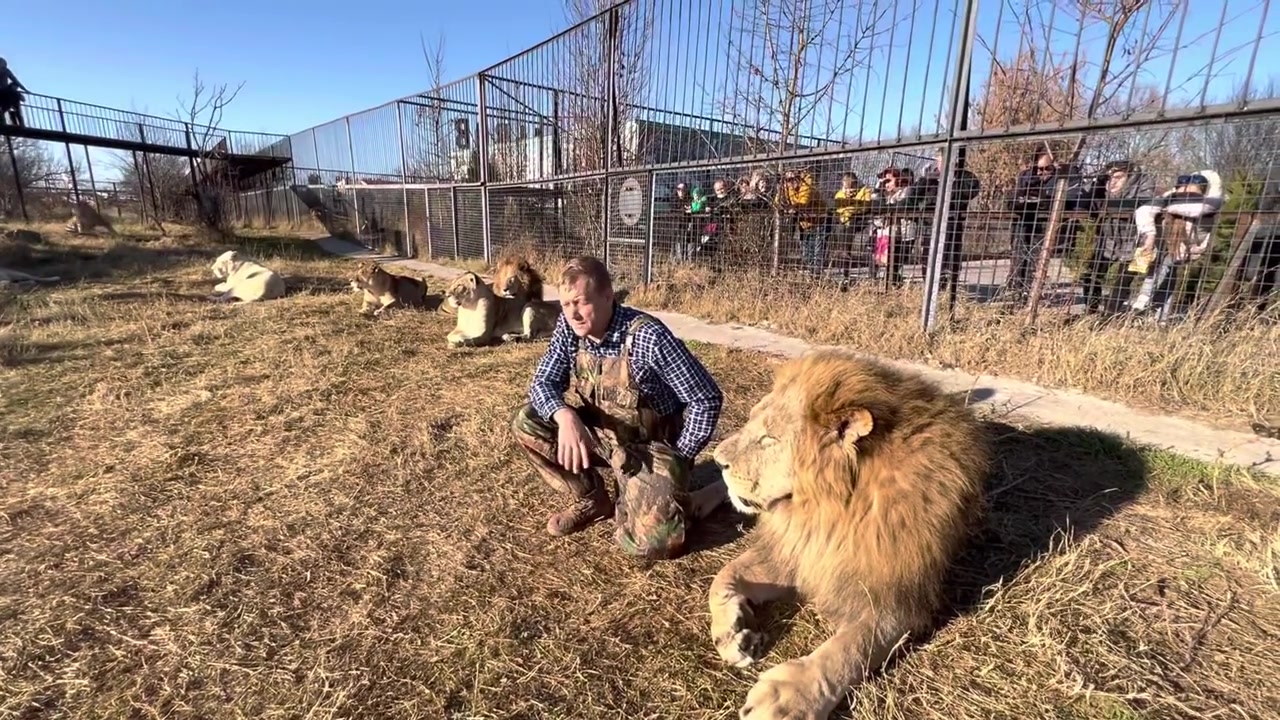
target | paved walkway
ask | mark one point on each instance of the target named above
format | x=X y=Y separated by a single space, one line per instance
x=1050 y=406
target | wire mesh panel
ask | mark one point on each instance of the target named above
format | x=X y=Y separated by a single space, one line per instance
x=470 y=223
x=553 y=219
x=441 y=237
x=416 y=203
x=380 y=212
x=809 y=219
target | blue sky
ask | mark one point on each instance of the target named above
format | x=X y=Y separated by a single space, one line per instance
x=307 y=63
x=302 y=62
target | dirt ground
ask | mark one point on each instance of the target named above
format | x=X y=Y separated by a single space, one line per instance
x=289 y=510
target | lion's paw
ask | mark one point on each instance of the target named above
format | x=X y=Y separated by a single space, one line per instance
x=741 y=648
x=789 y=691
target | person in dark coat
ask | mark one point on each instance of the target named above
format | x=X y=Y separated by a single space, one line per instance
x=1123 y=188
x=1262 y=266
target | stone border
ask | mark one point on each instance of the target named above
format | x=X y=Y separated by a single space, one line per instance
x=1049 y=406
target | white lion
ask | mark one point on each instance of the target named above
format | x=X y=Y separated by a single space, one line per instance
x=244 y=280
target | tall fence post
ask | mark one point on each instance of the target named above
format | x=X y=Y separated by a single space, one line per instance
x=17 y=178
x=71 y=166
x=1046 y=249
x=610 y=99
x=946 y=188
x=351 y=183
x=404 y=183
x=151 y=180
x=648 y=245
x=483 y=150
x=93 y=184
x=142 y=203
x=191 y=166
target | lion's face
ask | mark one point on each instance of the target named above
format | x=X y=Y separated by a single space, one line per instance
x=225 y=264
x=464 y=289
x=516 y=278
x=758 y=460
x=364 y=276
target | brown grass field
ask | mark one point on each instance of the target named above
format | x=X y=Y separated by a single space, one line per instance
x=289 y=510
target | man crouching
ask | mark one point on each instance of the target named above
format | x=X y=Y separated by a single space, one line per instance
x=648 y=407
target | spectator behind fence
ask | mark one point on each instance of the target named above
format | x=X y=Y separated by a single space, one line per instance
x=753 y=191
x=852 y=201
x=965 y=186
x=1032 y=196
x=1124 y=187
x=1262 y=266
x=894 y=233
x=11 y=90
x=681 y=222
x=802 y=200
x=1190 y=212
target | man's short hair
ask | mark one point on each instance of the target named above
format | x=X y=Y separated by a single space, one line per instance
x=589 y=267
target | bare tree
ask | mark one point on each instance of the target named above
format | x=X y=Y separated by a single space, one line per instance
x=1131 y=38
x=801 y=72
x=429 y=157
x=210 y=177
x=37 y=167
x=603 y=85
x=797 y=63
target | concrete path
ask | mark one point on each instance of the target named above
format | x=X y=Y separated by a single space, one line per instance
x=1049 y=406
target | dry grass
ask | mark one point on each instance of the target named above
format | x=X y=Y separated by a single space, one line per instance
x=287 y=510
x=1226 y=376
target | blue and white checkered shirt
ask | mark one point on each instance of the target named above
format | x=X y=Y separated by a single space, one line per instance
x=669 y=376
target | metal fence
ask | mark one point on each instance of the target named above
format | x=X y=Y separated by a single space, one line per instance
x=662 y=134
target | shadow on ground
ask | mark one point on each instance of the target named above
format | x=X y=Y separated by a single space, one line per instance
x=724 y=525
x=1046 y=482
x=14 y=355
x=99 y=258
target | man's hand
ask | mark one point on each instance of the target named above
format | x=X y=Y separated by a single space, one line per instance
x=573 y=442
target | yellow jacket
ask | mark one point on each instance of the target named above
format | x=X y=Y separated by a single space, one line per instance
x=805 y=199
x=848 y=202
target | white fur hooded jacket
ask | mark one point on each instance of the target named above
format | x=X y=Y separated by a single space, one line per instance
x=1199 y=212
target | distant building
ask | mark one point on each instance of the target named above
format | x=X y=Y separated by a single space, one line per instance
x=525 y=152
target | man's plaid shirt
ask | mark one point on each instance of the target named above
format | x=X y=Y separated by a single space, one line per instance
x=670 y=378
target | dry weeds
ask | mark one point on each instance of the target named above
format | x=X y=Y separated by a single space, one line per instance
x=288 y=510
x=1227 y=375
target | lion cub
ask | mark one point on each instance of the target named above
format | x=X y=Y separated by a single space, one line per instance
x=384 y=290
x=244 y=280
x=85 y=218
x=484 y=315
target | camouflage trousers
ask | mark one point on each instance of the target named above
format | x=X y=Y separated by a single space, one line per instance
x=651 y=480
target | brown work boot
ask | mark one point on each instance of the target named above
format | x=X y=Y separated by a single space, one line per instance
x=584 y=511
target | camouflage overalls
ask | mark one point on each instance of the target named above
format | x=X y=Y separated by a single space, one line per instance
x=650 y=478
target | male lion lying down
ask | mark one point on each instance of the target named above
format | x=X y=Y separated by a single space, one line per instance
x=867 y=482
x=484 y=316
x=244 y=279
x=383 y=290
